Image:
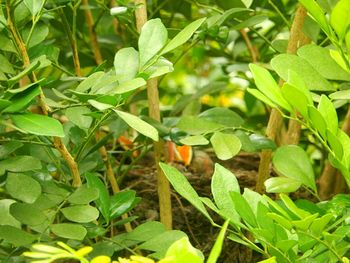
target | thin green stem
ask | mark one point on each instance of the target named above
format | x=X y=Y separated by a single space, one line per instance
x=91 y=135
x=280 y=13
x=35 y=20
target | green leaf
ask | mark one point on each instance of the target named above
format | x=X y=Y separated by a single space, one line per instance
x=80 y=213
x=27 y=214
x=216 y=250
x=126 y=64
x=16 y=236
x=340 y=95
x=33 y=6
x=317 y=13
x=293 y=162
x=128 y=86
x=182 y=251
x=138 y=124
x=340 y=18
x=293 y=208
x=87 y=83
x=225 y=145
x=319 y=224
x=281 y=185
x=21 y=100
x=70 y=231
x=335 y=144
x=268 y=86
x=83 y=195
x=321 y=61
x=223 y=182
x=99 y=105
x=121 y=203
x=6 y=218
x=153 y=38
x=283 y=63
x=295 y=80
x=24 y=72
x=184 y=188
x=103 y=201
x=281 y=220
x=317 y=121
x=160 y=243
x=195 y=140
x=296 y=98
x=243 y=209
x=77 y=115
x=329 y=114
x=260 y=96
x=197 y=126
x=23 y=187
x=222 y=116
x=6 y=66
x=21 y=163
x=38 y=124
x=183 y=36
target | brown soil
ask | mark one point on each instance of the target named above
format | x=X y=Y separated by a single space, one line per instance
x=185 y=217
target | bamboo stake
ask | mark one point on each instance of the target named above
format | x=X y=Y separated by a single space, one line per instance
x=296 y=40
x=154 y=112
x=73 y=166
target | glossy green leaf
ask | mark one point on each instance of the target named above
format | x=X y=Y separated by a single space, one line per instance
x=78 y=115
x=222 y=183
x=319 y=224
x=103 y=201
x=196 y=126
x=20 y=163
x=27 y=214
x=281 y=185
x=70 y=231
x=121 y=203
x=99 y=105
x=322 y=61
x=243 y=209
x=340 y=18
x=216 y=250
x=293 y=162
x=16 y=236
x=340 y=95
x=153 y=38
x=335 y=144
x=317 y=13
x=33 y=5
x=184 y=188
x=328 y=112
x=126 y=64
x=38 y=124
x=8 y=148
x=284 y=62
x=39 y=34
x=296 y=98
x=293 y=208
x=87 y=83
x=6 y=218
x=80 y=213
x=21 y=100
x=182 y=251
x=83 y=195
x=23 y=187
x=225 y=145
x=222 y=116
x=268 y=86
x=195 y=140
x=128 y=86
x=296 y=81
x=281 y=220
x=24 y=72
x=138 y=124
x=317 y=120
x=305 y=223
x=6 y=66
x=183 y=36
x=260 y=96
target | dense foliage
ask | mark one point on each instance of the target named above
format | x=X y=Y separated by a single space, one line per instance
x=89 y=88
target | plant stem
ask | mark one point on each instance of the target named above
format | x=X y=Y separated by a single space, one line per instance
x=154 y=112
x=297 y=38
x=92 y=34
x=44 y=107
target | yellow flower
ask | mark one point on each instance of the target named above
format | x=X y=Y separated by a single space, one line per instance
x=83 y=251
x=101 y=259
